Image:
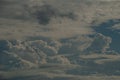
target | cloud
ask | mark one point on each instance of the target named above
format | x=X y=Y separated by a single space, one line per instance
x=46 y=12
x=75 y=45
x=11 y=57
x=116 y=27
x=58 y=60
x=28 y=54
x=97 y=43
x=4 y=45
x=100 y=44
x=66 y=19
x=60 y=23
x=106 y=28
x=52 y=33
x=14 y=9
x=43 y=46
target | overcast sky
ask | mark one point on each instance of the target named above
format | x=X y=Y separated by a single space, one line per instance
x=20 y=18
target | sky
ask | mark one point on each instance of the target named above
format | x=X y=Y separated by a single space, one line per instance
x=81 y=34
x=20 y=19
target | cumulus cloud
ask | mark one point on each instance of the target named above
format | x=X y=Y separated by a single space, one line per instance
x=86 y=44
x=43 y=46
x=100 y=44
x=58 y=60
x=4 y=45
x=34 y=48
x=75 y=45
x=41 y=51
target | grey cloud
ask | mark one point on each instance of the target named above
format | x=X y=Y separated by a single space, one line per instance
x=13 y=9
x=39 y=51
x=29 y=53
x=86 y=44
x=76 y=45
x=10 y=60
x=100 y=44
x=4 y=2
x=43 y=46
x=116 y=27
x=62 y=19
x=46 y=12
x=49 y=41
x=71 y=20
x=4 y=45
x=58 y=60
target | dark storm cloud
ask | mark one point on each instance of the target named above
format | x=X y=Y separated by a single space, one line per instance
x=46 y=12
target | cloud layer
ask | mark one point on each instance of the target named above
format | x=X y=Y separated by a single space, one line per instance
x=59 y=39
